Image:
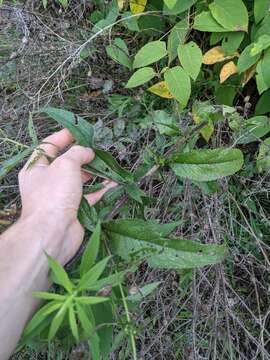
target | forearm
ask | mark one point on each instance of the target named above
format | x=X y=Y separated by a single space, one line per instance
x=23 y=269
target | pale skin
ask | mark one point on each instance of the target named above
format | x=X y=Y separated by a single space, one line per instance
x=51 y=192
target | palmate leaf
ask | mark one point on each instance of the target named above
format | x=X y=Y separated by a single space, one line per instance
x=137 y=240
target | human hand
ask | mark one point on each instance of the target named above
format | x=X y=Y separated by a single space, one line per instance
x=51 y=194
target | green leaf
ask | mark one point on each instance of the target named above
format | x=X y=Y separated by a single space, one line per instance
x=205 y=22
x=176 y=37
x=119 y=52
x=91 y=300
x=84 y=319
x=204 y=111
x=131 y=240
x=32 y=131
x=112 y=280
x=252 y=130
x=150 y=53
x=265 y=68
x=48 y=296
x=93 y=274
x=79 y=127
x=263 y=105
x=140 y=77
x=263 y=158
x=261 y=85
x=60 y=274
x=230 y=14
x=261 y=44
x=175 y=7
x=91 y=251
x=40 y=315
x=58 y=319
x=143 y=292
x=178 y=83
x=190 y=56
x=109 y=20
x=246 y=60
x=87 y=215
x=207 y=165
x=72 y=322
x=134 y=192
x=231 y=42
x=165 y=123
x=260 y=9
x=10 y=164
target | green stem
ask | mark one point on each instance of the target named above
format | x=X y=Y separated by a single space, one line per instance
x=132 y=339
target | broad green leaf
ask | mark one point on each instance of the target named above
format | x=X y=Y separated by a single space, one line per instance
x=203 y=111
x=140 y=77
x=252 y=130
x=207 y=165
x=119 y=53
x=143 y=292
x=264 y=27
x=49 y=296
x=261 y=85
x=10 y=164
x=40 y=315
x=150 y=53
x=260 y=9
x=90 y=300
x=91 y=251
x=230 y=14
x=165 y=123
x=231 y=42
x=263 y=105
x=93 y=274
x=176 y=37
x=109 y=20
x=60 y=274
x=175 y=7
x=246 y=60
x=130 y=240
x=112 y=280
x=205 y=22
x=263 y=158
x=79 y=127
x=72 y=322
x=87 y=215
x=190 y=56
x=134 y=192
x=178 y=83
x=265 y=68
x=225 y=94
x=58 y=319
x=261 y=44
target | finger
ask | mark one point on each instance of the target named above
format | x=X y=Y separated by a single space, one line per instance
x=86 y=176
x=50 y=146
x=97 y=196
x=78 y=154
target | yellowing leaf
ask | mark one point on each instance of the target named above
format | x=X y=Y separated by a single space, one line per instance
x=215 y=55
x=137 y=6
x=248 y=74
x=161 y=90
x=227 y=70
x=121 y=4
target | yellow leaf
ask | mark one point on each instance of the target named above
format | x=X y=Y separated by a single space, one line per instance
x=121 y=4
x=216 y=55
x=227 y=70
x=161 y=90
x=249 y=73
x=137 y=6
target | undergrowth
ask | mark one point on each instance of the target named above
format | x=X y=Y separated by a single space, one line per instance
x=64 y=58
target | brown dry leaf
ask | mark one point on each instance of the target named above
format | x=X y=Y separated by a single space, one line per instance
x=227 y=70
x=137 y=6
x=161 y=90
x=248 y=74
x=215 y=55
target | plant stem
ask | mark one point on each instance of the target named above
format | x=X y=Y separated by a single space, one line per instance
x=132 y=339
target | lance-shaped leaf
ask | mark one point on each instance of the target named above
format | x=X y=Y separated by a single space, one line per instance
x=207 y=165
x=10 y=164
x=139 y=240
x=91 y=251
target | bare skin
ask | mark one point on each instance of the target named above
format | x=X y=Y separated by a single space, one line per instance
x=51 y=195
